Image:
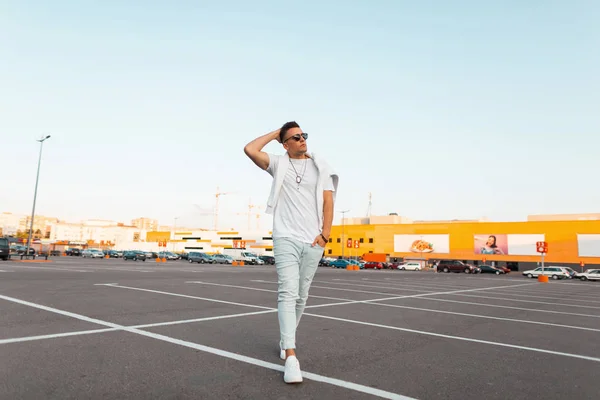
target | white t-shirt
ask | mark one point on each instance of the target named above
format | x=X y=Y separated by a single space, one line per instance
x=295 y=214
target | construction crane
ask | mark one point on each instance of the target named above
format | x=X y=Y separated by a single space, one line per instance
x=249 y=214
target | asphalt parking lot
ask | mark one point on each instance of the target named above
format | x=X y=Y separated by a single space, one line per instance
x=116 y=329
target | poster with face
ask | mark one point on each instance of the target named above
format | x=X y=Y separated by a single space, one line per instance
x=503 y=244
x=491 y=244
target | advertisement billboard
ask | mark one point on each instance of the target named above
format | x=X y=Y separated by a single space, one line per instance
x=503 y=244
x=422 y=244
x=588 y=245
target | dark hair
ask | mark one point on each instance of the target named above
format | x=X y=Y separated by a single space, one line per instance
x=286 y=127
x=494 y=245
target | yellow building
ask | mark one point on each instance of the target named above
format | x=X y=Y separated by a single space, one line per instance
x=569 y=241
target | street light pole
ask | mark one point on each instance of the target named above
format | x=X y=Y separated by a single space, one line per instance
x=343 y=223
x=42 y=140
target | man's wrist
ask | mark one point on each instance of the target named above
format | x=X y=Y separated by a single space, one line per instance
x=325 y=237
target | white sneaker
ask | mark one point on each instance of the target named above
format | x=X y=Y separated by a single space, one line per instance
x=292 y=372
x=281 y=351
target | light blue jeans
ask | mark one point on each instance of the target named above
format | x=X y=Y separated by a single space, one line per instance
x=296 y=263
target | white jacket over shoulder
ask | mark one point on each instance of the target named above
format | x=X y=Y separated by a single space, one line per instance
x=325 y=171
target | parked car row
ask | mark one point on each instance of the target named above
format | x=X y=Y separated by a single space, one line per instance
x=558 y=272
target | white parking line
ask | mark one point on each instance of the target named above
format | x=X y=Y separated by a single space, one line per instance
x=398 y=328
x=421 y=295
x=181 y=295
x=332 y=288
x=470 y=303
x=572 y=295
x=218 y=352
x=462 y=338
x=397 y=288
x=525 y=301
x=546 y=297
x=504 y=291
x=376 y=287
x=92 y=331
x=49 y=268
x=409 y=284
x=457 y=293
x=261 y=290
x=56 y=335
x=414 y=308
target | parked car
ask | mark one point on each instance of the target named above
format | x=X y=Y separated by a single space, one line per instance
x=134 y=255
x=270 y=260
x=488 y=269
x=4 y=249
x=373 y=265
x=589 y=275
x=553 y=272
x=223 y=258
x=201 y=258
x=339 y=263
x=571 y=271
x=323 y=262
x=360 y=263
x=113 y=254
x=505 y=269
x=409 y=266
x=74 y=252
x=457 y=266
x=92 y=253
x=168 y=255
x=20 y=250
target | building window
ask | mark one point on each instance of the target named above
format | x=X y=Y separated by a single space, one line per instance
x=194 y=248
x=362 y=240
x=330 y=240
x=329 y=251
x=370 y=240
x=191 y=238
x=267 y=238
x=230 y=238
x=339 y=240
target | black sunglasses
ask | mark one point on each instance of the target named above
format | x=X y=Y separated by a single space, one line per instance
x=297 y=137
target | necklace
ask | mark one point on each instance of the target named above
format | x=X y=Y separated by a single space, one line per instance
x=298 y=177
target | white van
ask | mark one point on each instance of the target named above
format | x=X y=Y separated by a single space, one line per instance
x=243 y=255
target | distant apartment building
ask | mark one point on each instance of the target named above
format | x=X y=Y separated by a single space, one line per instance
x=12 y=224
x=147 y=224
x=97 y=232
x=9 y=223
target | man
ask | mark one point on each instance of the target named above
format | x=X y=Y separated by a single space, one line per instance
x=301 y=201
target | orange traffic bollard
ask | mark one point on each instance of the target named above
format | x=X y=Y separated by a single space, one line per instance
x=241 y=263
x=164 y=260
x=234 y=263
x=158 y=259
x=349 y=267
x=543 y=278
x=356 y=268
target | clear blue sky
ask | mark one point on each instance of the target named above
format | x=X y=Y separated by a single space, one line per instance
x=441 y=109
